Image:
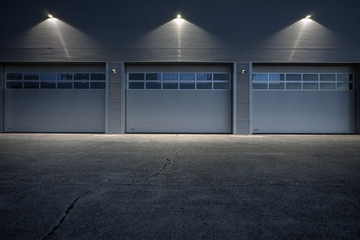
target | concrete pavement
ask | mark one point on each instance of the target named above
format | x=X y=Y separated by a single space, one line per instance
x=91 y=186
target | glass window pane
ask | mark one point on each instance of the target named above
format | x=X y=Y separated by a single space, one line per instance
x=276 y=77
x=310 y=86
x=136 y=85
x=170 y=85
x=170 y=76
x=47 y=76
x=293 y=77
x=327 y=77
x=14 y=76
x=31 y=76
x=221 y=76
x=64 y=85
x=310 y=77
x=136 y=76
x=97 y=85
x=153 y=76
x=65 y=76
x=187 y=76
x=81 y=85
x=260 y=77
x=344 y=77
x=48 y=85
x=327 y=86
x=293 y=85
x=343 y=86
x=204 y=85
x=203 y=76
x=31 y=85
x=187 y=85
x=221 y=85
x=153 y=85
x=81 y=76
x=98 y=76
x=256 y=85
x=14 y=85
x=276 y=85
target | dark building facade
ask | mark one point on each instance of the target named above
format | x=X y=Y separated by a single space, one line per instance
x=180 y=66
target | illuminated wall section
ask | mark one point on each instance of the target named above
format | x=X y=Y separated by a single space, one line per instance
x=243 y=31
x=1 y=98
x=357 y=99
x=53 y=40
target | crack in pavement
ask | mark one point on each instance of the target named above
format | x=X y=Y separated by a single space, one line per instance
x=72 y=205
x=67 y=212
x=158 y=173
x=168 y=162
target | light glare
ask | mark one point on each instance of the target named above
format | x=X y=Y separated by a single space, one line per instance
x=178 y=16
x=308 y=17
x=50 y=16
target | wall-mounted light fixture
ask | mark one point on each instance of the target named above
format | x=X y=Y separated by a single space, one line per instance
x=307 y=19
x=51 y=18
x=113 y=70
x=179 y=19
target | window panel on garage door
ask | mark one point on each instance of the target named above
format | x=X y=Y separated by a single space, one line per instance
x=302 y=81
x=185 y=81
x=53 y=80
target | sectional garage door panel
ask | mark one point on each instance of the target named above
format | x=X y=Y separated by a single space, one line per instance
x=178 y=99
x=55 y=99
x=303 y=112
x=178 y=111
x=307 y=99
x=54 y=111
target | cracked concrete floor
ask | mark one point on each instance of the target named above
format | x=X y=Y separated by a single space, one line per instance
x=89 y=186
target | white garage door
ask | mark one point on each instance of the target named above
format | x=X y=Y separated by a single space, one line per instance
x=308 y=99
x=54 y=98
x=178 y=99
